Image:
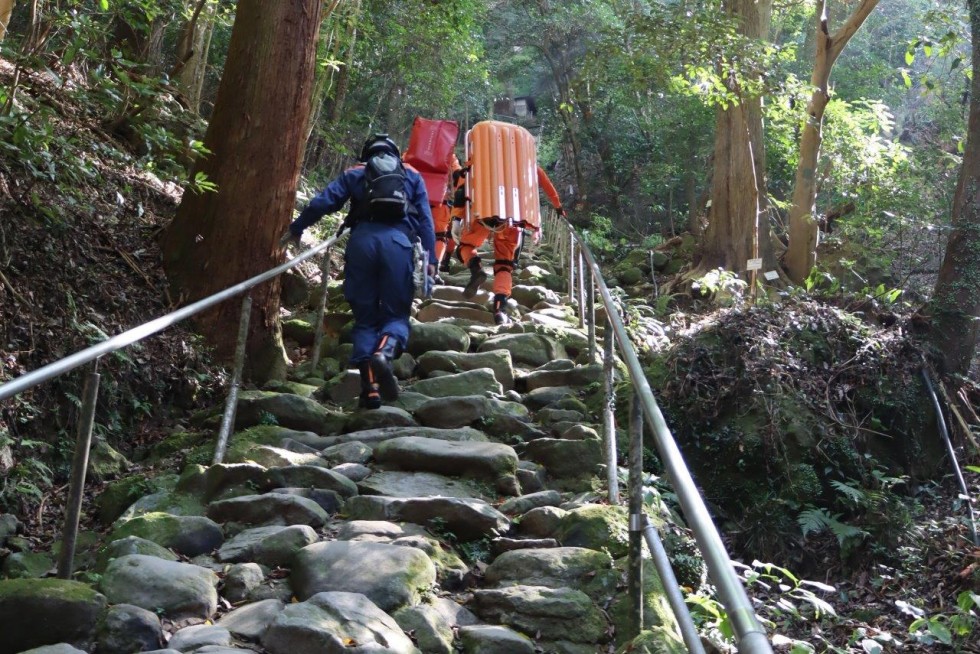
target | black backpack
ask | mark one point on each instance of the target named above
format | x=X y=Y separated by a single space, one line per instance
x=385 y=199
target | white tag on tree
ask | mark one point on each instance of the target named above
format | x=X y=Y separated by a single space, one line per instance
x=753 y=264
x=771 y=275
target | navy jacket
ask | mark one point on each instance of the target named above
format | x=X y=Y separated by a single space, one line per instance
x=350 y=186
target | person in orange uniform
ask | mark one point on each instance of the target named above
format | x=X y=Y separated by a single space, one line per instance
x=430 y=152
x=506 y=246
x=442 y=213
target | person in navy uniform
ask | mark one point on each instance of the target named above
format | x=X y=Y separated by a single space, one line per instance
x=378 y=266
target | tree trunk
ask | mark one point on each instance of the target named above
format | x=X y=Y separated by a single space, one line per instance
x=6 y=9
x=559 y=74
x=256 y=137
x=955 y=305
x=803 y=231
x=736 y=229
x=691 y=195
x=192 y=53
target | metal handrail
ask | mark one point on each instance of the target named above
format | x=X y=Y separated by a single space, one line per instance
x=29 y=380
x=90 y=395
x=748 y=631
x=750 y=634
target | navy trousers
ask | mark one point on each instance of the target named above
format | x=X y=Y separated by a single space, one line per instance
x=378 y=266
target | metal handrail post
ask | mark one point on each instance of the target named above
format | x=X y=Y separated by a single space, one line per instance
x=581 y=290
x=751 y=636
x=635 y=566
x=591 y=305
x=321 y=309
x=231 y=404
x=609 y=418
x=79 y=469
x=952 y=454
x=571 y=267
x=673 y=590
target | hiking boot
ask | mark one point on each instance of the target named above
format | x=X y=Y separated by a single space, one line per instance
x=477 y=277
x=500 y=316
x=380 y=368
x=370 y=392
x=369 y=400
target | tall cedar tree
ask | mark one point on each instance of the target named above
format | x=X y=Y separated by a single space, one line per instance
x=956 y=302
x=736 y=231
x=256 y=137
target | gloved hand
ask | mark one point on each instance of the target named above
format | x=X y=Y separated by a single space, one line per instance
x=460 y=173
x=561 y=212
x=457 y=230
x=288 y=238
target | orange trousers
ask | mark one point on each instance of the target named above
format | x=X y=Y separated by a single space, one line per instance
x=506 y=241
x=444 y=242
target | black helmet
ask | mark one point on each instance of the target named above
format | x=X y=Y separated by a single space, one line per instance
x=378 y=142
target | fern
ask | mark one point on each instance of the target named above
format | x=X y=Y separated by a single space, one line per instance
x=856 y=496
x=813 y=521
x=845 y=532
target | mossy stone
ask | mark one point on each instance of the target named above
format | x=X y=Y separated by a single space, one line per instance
x=179 y=441
x=36 y=612
x=27 y=565
x=301 y=331
x=105 y=462
x=597 y=527
x=119 y=495
x=656 y=640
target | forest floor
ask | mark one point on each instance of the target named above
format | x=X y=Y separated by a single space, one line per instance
x=80 y=263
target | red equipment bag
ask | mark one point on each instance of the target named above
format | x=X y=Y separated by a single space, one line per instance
x=430 y=148
x=503 y=180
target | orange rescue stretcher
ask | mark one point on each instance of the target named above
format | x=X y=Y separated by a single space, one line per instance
x=502 y=184
x=430 y=148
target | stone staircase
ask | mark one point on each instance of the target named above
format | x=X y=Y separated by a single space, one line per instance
x=466 y=517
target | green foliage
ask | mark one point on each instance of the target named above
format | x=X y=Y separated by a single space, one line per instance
x=953 y=627
x=815 y=520
x=471 y=551
x=784 y=600
x=726 y=287
x=126 y=96
x=30 y=476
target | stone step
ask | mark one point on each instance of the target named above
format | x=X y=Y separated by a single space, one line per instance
x=402 y=529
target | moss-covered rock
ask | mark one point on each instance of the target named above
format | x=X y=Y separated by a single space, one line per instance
x=299 y=330
x=36 y=612
x=596 y=526
x=657 y=613
x=656 y=640
x=27 y=565
x=188 y=535
x=120 y=494
x=105 y=462
x=178 y=442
